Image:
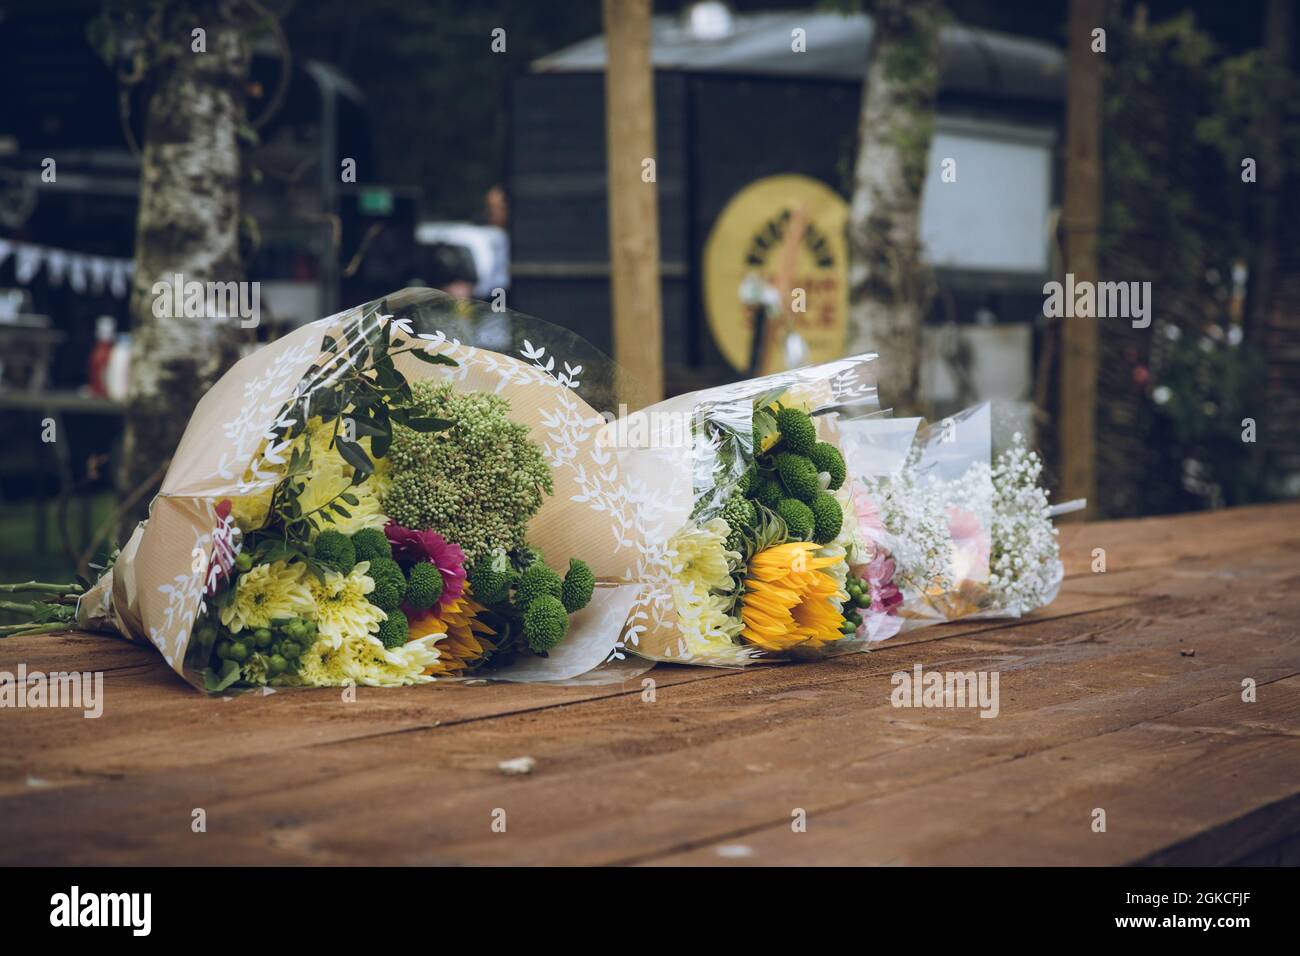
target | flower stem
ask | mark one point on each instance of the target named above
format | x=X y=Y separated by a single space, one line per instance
x=42 y=587
x=19 y=606
x=16 y=630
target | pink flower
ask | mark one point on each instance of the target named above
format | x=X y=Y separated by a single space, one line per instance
x=416 y=546
x=869 y=519
x=971 y=541
x=881 y=619
x=885 y=594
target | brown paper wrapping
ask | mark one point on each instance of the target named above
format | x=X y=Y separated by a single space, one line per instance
x=154 y=591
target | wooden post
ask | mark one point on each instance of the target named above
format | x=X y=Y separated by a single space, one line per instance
x=633 y=197
x=1081 y=219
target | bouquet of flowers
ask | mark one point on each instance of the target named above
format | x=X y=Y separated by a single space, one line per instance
x=421 y=489
x=759 y=559
x=818 y=525
x=966 y=525
x=370 y=500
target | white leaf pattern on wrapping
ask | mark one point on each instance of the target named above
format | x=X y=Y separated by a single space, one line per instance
x=636 y=517
x=184 y=595
x=267 y=400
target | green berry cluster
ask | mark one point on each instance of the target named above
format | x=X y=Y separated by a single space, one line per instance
x=371 y=543
x=578 y=586
x=478 y=482
x=526 y=590
x=859 y=599
x=390 y=583
x=263 y=653
x=394 y=629
x=788 y=480
x=488 y=584
x=424 y=586
x=537 y=581
x=740 y=514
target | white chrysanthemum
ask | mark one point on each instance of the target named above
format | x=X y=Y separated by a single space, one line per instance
x=267 y=592
x=343 y=611
x=703 y=620
x=363 y=659
x=700 y=556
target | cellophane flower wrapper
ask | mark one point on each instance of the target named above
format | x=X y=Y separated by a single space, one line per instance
x=958 y=505
x=691 y=454
x=239 y=445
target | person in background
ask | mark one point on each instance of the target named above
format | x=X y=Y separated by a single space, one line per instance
x=496 y=214
x=448 y=267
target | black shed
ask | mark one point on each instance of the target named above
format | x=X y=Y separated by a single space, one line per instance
x=740 y=105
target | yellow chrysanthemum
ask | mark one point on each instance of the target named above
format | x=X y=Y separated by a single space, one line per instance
x=700 y=556
x=266 y=592
x=251 y=511
x=790 y=600
x=363 y=659
x=343 y=611
x=462 y=638
x=330 y=475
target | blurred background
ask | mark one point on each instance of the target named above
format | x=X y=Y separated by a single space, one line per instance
x=899 y=175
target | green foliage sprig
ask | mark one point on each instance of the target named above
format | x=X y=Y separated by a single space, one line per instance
x=356 y=382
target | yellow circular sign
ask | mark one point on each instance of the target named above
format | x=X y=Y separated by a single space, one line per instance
x=779 y=251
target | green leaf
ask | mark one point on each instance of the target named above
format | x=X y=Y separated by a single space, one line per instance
x=355 y=456
x=433 y=358
x=429 y=424
x=215 y=682
x=764 y=426
x=365 y=425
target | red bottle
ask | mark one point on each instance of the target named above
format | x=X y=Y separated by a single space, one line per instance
x=105 y=332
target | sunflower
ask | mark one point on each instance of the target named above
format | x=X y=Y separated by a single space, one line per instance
x=267 y=592
x=790 y=598
x=466 y=637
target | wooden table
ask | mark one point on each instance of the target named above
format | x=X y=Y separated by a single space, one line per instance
x=1125 y=695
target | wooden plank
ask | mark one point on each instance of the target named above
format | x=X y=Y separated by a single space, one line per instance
x=720 y=755
x=1156 y=781
x=61 y=748
x=633 y=201
x=621 y=780
x=1153 y=542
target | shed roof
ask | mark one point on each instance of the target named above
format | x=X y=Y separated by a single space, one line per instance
x=974 y=61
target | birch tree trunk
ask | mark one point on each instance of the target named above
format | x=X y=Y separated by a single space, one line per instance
x=187 y=224
x=889 y=290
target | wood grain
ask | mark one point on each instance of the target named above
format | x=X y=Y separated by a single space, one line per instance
x=1124 y=695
